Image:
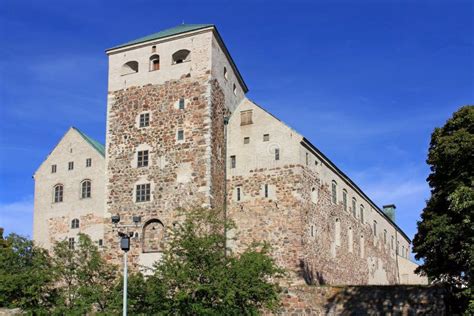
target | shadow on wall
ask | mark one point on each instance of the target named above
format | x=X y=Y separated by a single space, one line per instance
x=310 y=277
x=387 y=300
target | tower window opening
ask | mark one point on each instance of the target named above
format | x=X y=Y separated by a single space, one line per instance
x=181 y=56
x=130 y=67
x=154 y=62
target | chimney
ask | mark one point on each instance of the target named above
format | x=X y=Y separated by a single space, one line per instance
x=389 y=210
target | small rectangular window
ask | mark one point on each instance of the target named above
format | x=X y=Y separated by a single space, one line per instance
x=88 y=162
x=180 y=135
x=181 y=104
x=142 y=159
x=266 y=190
x=246 y=117
x=238 y=194
x=233 y=162
x=53 y=169
x=266 y=137
x=246 y=140
x=101 y=242
x=70 y=165
x=143 y=193
x=277 y=154
x=144 y=119
x=71 y=243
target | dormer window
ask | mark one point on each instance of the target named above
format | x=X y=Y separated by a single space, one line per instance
x=154 y=62
x=130 y=67
x=181 y=56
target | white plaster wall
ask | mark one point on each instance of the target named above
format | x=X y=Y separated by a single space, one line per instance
x=72 y=147
x=259 y=154
x=199 y=43
x=407 y=272
x=219 y=62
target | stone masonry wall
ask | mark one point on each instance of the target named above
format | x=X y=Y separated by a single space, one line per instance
x=180 y=173
x=328 y=262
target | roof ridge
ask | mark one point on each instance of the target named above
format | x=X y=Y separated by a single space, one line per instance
x=175 y=30
x=95 y=144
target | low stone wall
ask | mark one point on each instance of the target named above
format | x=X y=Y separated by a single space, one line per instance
x=363 y=300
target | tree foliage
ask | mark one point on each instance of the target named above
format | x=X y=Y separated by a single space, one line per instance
x=199 y=276
x=26 y=275
x=85 y=279
x=445 y=237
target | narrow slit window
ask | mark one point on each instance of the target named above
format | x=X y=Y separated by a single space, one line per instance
x=180 y=135
x=334 y=192
x=88 y=162
x=362 y=214
x=70 y=165
x=181 y=104
x=53 y=168
x=233 y=162
x=277 y=154
x=375 y=228
x=266 y=190
x=354 y=207
x=239 y=194
x=344 y=199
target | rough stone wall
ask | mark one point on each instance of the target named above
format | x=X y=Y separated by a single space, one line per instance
x=275 y=220
x=181 y=173
x=327 y=261
x=363 y=300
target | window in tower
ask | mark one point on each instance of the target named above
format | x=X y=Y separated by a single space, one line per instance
x=180 y=135
x=181 y=56
x=154 y=62
x=144 y=120
x=130 y=67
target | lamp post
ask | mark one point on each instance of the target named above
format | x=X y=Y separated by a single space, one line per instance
x=125 y=246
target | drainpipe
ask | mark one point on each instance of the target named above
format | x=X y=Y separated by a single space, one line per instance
x=226 y=122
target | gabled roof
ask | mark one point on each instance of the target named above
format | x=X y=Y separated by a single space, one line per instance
x=97 y=146
x=183 y=28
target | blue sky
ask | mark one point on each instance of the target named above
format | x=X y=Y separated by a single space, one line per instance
x=365 y=81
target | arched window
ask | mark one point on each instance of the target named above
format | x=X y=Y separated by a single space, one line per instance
x=334 y=192
x=86 y=189
x=75 y=223
x=181 y=56
x=354 y=207
x=337 y=231
x=362 y=214
x=314 y=195
x=58 y=193
x=344 y=199
x=130 y=67
x=153 y=233
x=155 y=62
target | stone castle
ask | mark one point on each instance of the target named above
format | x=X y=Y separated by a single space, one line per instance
x=181 y=134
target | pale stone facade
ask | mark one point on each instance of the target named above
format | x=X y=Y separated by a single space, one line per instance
x=54 y=212
x=182 y=134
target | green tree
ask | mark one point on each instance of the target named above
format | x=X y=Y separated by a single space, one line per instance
x=26 y=278
x=85 y=280
x=445 y=237
x=198 y=277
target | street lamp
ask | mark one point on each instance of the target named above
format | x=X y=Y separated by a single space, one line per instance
x=125 y=246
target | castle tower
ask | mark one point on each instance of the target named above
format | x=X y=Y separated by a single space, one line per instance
x=168 y=94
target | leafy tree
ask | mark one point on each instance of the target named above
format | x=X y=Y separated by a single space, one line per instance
x=85 y=280
x=445 y=237
x=197 y=277
x=26 y=278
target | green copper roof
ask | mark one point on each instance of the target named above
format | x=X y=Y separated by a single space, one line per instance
x=183 y=28
x=98 y=146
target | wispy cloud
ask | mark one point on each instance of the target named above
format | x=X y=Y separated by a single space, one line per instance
x=17 y=217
